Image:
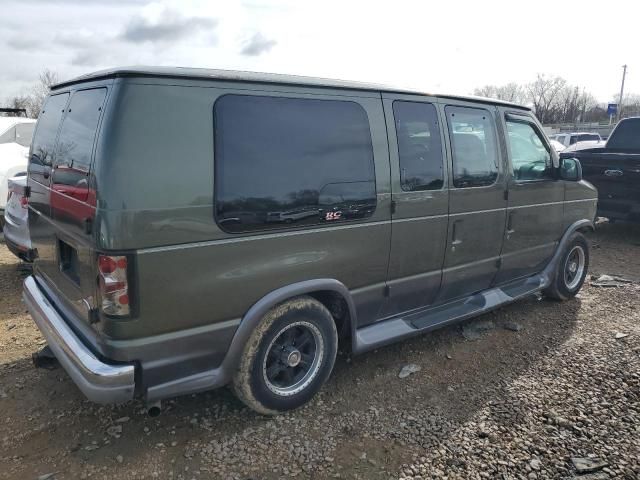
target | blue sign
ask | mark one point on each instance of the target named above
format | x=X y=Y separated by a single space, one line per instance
x=612 y=109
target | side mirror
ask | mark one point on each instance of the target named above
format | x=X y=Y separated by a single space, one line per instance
x=570 y=169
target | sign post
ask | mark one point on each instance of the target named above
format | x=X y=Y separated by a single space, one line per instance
x=612 y=111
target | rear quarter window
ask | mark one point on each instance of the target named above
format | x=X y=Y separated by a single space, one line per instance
x=282 y=162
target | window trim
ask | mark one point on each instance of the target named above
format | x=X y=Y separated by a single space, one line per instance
x=527 y=120
x=452 y=152
x=442 y=147
x=285 y=227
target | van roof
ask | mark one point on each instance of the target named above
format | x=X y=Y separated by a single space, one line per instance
x=258 y=77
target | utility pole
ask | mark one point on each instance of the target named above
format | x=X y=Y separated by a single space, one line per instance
x=624 y=74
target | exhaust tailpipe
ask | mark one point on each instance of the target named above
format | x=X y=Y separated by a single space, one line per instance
x=154 y=408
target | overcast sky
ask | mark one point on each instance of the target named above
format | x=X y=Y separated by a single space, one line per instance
x=446 y=46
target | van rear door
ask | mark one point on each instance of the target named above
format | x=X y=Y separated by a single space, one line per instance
x=62 y=232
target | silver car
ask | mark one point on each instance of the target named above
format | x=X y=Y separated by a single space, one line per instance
x=16 y=227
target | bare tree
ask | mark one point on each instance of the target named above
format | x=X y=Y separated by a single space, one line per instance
x=39 y=92
x=22 y=101
x=553 y=100
x=543 y=94
x=511 y=92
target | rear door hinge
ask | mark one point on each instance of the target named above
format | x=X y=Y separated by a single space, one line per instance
x=387 y=290
x=506 y=194
x=393 y=207
x=88 y=226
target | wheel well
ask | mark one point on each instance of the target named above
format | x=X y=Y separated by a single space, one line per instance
x=339 y=309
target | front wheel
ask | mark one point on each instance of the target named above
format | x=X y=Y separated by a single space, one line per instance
x=288 y=357
x=571 y=270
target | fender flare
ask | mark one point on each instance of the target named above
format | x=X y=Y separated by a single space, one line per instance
x=253 y=316
x=548 y=274
x=223 y=374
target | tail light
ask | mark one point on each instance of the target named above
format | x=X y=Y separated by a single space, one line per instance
x=24 y=202
x=113 y=284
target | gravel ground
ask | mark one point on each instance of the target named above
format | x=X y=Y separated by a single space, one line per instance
x=541 y=389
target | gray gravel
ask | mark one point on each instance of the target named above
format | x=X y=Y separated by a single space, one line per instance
x=576 y=411
x=558 y=395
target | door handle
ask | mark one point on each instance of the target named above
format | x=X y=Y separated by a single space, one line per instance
x=613 y=173
x=454 y=240
x=510 y=229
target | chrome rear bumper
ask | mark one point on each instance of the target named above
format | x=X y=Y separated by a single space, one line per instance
x=100 y=382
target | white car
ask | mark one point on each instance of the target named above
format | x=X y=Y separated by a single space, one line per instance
x=557 y=146
x=568 y=139
x=15 y=138
x=16 y=215
x=586 y=144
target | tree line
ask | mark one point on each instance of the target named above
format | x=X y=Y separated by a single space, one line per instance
x=554 y=100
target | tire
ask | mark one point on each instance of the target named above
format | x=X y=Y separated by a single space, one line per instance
x=274 y=376
x=571 y=270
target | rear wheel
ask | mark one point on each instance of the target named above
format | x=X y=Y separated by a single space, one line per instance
x=288 y=357
x=572 y=269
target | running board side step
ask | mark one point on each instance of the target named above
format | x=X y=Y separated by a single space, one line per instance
x=414 y=323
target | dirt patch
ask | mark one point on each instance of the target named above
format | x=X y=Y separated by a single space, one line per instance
x=547 y=383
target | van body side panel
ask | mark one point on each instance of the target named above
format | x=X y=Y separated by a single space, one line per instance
x=534 y=215
x=580 y=202
x=156 y=195
x=154 y=184
x=477 y=216
x=419 y=226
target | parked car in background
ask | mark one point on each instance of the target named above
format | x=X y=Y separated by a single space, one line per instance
x=615 y=170
x=584 y=145
x=283 y=242
x=16 y=215
x=557 y=146
x=15 y=138
x=568 y=139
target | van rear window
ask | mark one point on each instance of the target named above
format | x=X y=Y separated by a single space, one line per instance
x=75 y=144
x=284 y=162
x=44 y=141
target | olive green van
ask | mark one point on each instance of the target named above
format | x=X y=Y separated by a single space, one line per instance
x=198 y=228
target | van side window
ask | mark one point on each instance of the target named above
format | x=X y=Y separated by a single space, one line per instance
x=419 y=146
x=282 y=162
x=473 y=141
x=45 y=140
x=530 y=157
